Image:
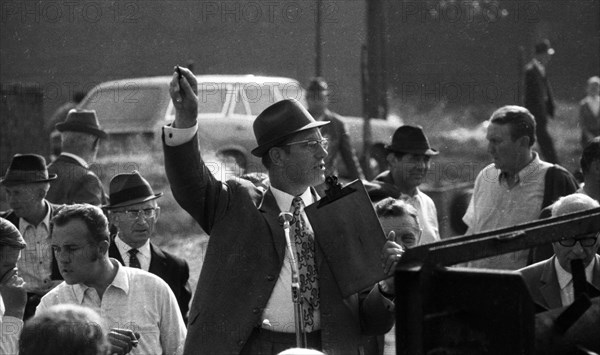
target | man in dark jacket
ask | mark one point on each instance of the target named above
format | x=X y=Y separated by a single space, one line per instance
x=243 y=302
x=133 y=211
x=76 y=183
x=336 y=132
x=538 y=98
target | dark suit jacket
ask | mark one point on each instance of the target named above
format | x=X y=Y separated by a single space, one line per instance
x=339 y=142
x=75 y=183
x=542 y=282
x=538 y=94
x=12 y=218
x=242 y=263
x=172 y=269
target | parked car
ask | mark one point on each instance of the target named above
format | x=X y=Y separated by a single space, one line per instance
x=132 y=111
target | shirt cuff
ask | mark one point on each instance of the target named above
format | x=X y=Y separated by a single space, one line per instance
x=178 y=136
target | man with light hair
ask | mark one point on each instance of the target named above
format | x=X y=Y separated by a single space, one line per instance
x=550 y=282
x=516 y=186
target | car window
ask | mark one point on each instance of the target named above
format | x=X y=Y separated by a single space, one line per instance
x=212 y=97
x=127 y=107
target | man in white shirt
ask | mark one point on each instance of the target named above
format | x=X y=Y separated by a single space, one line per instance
x=136 y=306
x=26 y=183
x=409 y=154
x=550 y=281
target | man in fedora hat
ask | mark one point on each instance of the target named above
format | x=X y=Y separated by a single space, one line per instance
x=243 y=301
x=76 y=183
x=516 y=186
x=26 y=183
x=336 y=133
x=538 y=97
x=133 y=211
x=408 y=157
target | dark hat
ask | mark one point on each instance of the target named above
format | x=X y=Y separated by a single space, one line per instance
x=317 y=84
x=410 y=139
x=10 y=235
x=82 y=121
x=280 y=120
x=26 y=169
x=544 y=47
x=129 y=189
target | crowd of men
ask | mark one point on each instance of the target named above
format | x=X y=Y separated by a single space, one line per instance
x=73 y=253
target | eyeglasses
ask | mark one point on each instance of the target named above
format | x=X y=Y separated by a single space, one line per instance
x=585 y=242
x=312 y=144
x=147 y=213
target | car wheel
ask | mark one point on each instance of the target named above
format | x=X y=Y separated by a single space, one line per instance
x=234 y=161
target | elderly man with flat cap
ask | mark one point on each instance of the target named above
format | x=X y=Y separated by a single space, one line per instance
x=76 y=183
x=13 y=296
x=408 y=158
x=26 y=183
x=133 y=210
x=243 y=302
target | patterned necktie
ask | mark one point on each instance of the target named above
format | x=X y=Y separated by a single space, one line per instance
x=309 y=279
x=133 y=260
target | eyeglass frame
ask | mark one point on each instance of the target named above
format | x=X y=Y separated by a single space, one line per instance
x=324 y=143
x=580 y=240
x=127 y=213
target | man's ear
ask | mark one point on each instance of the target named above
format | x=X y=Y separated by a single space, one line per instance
x=391 y=157
x=523 y=141
x=103 y=247
x=276 y=154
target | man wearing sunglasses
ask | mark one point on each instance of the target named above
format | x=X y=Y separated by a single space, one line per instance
x=133 y=211
x=243 y=302
x=550 y=281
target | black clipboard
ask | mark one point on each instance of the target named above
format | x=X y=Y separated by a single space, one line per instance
x=349 y=234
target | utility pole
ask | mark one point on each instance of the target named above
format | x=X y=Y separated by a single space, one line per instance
x=376 y=95
x=318 y=39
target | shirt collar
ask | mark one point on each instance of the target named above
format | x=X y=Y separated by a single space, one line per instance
x=564 y=277
x=124 y=248
x=45 y=222
x=120 y=281
x=77 y=158
x=284 y=200
x=526 y=172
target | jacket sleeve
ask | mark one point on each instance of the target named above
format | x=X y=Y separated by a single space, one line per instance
x=195 y=189
x=376 y=312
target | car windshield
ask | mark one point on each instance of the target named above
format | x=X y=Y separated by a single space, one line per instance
x=127 y=106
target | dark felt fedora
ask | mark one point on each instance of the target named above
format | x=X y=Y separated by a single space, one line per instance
x=129 y=189
x=26 y=169
x=544 y=47
x=278 y=121
x=410 y=139
x=82 y=121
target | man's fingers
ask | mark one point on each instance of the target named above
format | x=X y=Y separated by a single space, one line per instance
x=391 y=236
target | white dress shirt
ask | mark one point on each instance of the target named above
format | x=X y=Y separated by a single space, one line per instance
x=565 y=281
x=143 y=254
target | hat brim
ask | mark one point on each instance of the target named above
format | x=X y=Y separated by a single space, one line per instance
x=429 y=151
x=9 y=182
x=261 y=150
x=70 y=127
x=133 y=202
